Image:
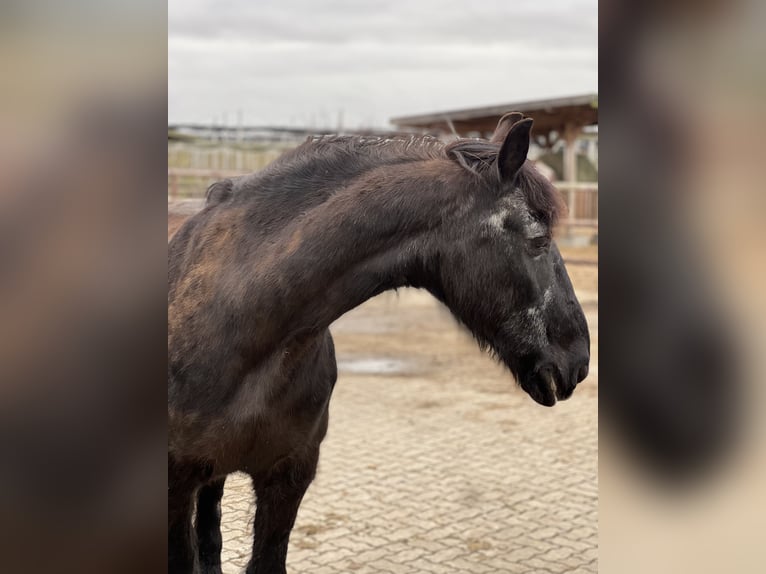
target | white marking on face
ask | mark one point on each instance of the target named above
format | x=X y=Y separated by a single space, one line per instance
x=495 y=221
x=506 y=206
x=536 y=320
x=513 y=204
x=532 y=319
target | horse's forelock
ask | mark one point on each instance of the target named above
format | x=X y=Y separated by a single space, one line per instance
x=542 y=196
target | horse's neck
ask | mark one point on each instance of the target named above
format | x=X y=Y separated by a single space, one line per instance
x=376 y=234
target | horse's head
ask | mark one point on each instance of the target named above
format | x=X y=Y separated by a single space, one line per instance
x=502 y=275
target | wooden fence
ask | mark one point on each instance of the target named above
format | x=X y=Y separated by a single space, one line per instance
x=215 y=156
x=193 y=166
x=582 y=203
x=192 y=183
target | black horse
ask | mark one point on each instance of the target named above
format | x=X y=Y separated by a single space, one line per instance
x=258 y=275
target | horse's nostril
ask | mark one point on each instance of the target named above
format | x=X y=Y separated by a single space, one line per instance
x=582 y=372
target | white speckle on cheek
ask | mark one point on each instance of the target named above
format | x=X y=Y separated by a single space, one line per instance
x=536 y=319
x=536 y=326
x=547 y=298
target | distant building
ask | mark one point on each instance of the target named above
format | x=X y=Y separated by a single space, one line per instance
x=563 y=126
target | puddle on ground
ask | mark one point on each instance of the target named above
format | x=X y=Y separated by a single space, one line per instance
x=374 y=366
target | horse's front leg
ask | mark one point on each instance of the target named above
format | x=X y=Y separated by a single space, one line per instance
x=208 y=526
x=278 y=496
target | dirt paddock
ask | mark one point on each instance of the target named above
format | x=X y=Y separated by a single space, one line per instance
x=435 y=461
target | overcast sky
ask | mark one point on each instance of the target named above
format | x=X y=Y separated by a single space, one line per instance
x=306 y=62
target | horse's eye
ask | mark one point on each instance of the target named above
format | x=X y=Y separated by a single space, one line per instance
x=539 y=244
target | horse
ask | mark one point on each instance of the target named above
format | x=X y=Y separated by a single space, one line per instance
x=257 y=276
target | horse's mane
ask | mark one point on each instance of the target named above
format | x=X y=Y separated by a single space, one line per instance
x=476 y=155
x=395 y=147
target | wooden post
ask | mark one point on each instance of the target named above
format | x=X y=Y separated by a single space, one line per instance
x=571 y=132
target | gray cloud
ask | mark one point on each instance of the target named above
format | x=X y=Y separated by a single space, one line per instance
x=301 y=61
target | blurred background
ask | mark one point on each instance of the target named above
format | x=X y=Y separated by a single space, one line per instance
x=82 y=286
x=682 y=443
x=673 y=128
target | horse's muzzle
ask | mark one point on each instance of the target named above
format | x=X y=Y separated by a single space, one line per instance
x=549 y=383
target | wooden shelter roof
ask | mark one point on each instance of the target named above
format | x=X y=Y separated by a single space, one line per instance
x=549 y=115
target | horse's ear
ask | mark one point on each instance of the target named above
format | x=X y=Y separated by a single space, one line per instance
x=513 y=152
x=504 y=126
